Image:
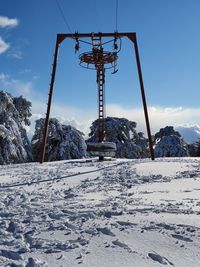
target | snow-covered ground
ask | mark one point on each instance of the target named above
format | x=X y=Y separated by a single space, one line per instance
x=130 y=213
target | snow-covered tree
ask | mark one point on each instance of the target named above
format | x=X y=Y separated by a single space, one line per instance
x=169 y=143
x=122 y=132
x=14 y=115
x=63 y=141
x=194 y=149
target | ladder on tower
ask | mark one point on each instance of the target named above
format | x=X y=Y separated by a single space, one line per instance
x=102 y=148
x=101 y=98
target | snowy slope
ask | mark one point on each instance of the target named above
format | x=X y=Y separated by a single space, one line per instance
x=132 y=213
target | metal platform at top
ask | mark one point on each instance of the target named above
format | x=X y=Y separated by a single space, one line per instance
x=97 y=57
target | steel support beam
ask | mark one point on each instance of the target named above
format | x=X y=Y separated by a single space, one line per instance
x=134 y=40
x=62 y=36
x=45 y=133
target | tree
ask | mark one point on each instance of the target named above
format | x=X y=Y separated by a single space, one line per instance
x=14 y=116
x=197 y=149
x=194 y=149
x=122 y=132
x=169 y=143
x=63 y=141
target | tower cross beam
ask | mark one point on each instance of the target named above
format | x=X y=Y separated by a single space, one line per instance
x=62 y=36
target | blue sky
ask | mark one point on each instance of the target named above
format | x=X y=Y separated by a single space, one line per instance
x=169 y=44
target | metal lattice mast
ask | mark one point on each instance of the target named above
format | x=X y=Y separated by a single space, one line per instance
x=98 y=57
x=101 y=98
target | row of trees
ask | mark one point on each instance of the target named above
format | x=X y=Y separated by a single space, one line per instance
x=66 y=142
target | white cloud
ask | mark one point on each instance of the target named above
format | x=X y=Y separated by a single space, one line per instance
x=16 y=54
x=3 y=77
x=3 y=46
x=7 y=22
x=14 y=86
x=25 y=71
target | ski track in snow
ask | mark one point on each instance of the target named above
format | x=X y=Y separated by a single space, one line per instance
x=89 y=213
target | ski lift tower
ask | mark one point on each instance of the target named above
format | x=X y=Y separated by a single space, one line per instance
x=100 y=60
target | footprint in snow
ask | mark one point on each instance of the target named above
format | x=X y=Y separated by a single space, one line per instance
x=9 y=254
x=60 y=257
x=35 y=262
x=121 y=245
x=105 y=231
x=182 y=238
x=126 y=223
x=160 y=259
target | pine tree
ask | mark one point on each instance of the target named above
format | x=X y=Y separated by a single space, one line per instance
x=192 y=150
x=63 y=141
x=14 y=116
x=197 y=145
x=169 y=143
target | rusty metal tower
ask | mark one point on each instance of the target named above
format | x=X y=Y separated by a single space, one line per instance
x=99 y=60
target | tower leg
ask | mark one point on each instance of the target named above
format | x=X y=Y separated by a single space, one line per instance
x=45 y=133
x=143 y=97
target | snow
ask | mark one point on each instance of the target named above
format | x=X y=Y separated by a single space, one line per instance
x=120 y=212
x=161 y=168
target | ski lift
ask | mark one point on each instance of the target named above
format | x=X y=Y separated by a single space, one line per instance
x=99 y=60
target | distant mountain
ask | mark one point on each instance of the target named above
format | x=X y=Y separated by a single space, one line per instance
x=190 y=133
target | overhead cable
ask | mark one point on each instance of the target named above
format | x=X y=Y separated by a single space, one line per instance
x=63 y=15
x=116 y=16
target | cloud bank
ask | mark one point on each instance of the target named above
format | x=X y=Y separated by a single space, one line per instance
x=15 y=86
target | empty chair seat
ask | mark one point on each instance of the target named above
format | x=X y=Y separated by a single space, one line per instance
x=104 y=149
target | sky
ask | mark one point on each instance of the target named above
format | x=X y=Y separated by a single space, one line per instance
x=168 y=36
